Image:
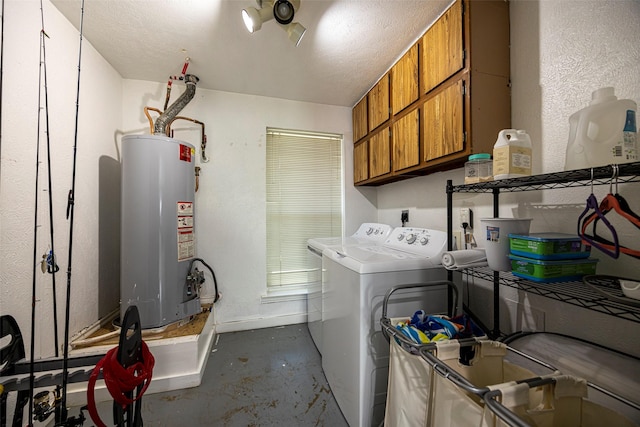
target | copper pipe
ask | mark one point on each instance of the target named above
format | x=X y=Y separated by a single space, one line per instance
x=146 y=113
x=203 y=136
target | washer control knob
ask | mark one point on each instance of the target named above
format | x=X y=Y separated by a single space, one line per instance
x=411 y=238
x=400 y=237
x=369 y=231
x=424 y=241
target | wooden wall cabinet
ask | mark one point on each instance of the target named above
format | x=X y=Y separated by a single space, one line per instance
x=372 y=157
x=443 y=122
x=360 y=162
x=360 y=121
x=379 y=154
x=404 y=81
x=379 y=103
x=442 y=48
x=449 y=96
x=405 y=137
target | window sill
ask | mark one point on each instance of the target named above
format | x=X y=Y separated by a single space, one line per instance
x=286 y=295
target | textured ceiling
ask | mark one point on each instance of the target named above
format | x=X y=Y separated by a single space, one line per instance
x=349 y=44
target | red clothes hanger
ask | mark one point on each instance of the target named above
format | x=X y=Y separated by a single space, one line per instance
x=610 y=248
x=618 y=204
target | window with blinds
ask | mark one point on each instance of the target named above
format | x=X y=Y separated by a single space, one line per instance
x=304 y=200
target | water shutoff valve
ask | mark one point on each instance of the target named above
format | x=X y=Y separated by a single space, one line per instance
x=194 y=280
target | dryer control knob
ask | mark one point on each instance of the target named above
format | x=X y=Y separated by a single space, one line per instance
x=424 y=241
x=411 y=238
x=369 y=230
x=400 y=237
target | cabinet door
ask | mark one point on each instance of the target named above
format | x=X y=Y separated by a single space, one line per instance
x=442 y=48
x=379 y=103
x=360 y=127
x=404 y=81
x=406 y=141
x=379 y=154
x=361 y=162
x=443 y=122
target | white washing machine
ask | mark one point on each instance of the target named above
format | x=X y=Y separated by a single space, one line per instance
x=368 y=233
x=355 y=353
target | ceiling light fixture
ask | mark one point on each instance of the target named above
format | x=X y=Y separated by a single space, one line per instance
x=282 y=10
x=296 y=32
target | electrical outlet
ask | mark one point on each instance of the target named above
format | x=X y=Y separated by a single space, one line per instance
x=466 y=216
x=404 y=217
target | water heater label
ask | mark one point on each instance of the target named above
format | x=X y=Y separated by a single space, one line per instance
x=185 y=208
x=185 y=153
x=185 y=222
x=186 y=245
x=186 y=241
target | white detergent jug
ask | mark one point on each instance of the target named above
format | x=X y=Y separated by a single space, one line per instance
x=603 y=133
x=512 y=154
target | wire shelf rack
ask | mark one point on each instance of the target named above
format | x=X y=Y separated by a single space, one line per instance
x=628 y=172
x=596 y=297
x=575 y=293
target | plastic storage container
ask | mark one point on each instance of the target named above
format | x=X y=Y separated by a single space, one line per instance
x=479 y=168
x=548 y=246
x=495 y=232
x=603 y=133
x=630 y=288
x=551 y=271
x=512 y=154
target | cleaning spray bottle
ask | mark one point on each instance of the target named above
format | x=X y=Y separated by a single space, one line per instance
x=603 y=133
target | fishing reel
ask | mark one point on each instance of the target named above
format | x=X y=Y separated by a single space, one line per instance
x=48 y=263
x=44 y=404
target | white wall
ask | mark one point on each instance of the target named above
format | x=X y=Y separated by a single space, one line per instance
x=230 y=204
x=560 y=52
x=100 y=106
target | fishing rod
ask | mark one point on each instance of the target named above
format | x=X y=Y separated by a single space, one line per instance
x=35 y=239
x=50 y=259
x=70 y=216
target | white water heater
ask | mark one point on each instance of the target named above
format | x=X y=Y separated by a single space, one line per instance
x=157 y=232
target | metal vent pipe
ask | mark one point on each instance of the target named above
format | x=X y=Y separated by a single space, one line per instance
x=160 y=127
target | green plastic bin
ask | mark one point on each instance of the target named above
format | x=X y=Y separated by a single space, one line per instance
x=551 y=271
x=548 y=246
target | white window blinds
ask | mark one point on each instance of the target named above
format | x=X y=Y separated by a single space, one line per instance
x=304 y=200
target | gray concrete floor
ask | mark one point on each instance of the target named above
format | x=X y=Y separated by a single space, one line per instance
x=262 y=377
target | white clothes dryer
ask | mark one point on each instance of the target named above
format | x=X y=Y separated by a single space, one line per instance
x=355 y=353
x=368 y=233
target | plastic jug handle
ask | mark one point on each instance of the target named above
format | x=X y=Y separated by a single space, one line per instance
x=584 y=124
x=507 y=134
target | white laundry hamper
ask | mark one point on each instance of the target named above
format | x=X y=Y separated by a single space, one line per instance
x=469 y=382
x=418 y=396
x=433 y=388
